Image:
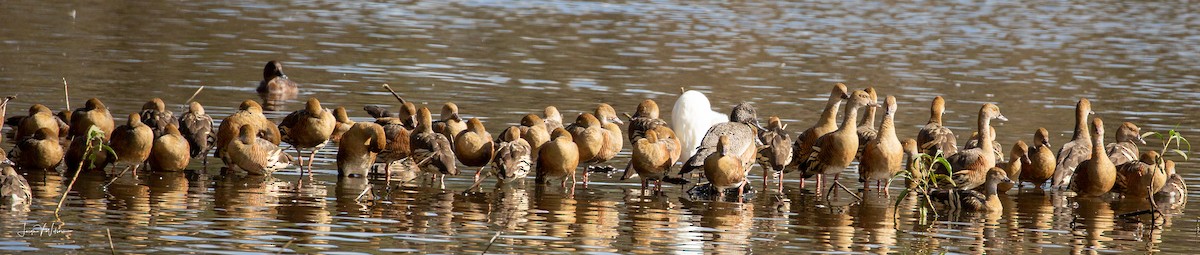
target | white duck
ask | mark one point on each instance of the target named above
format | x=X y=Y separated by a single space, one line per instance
x=691 y=118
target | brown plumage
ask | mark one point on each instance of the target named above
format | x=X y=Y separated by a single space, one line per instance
x=1018 y=158
x=14 y=189
x=533 y=130
x=553 y=118
x=398 y=146
x=985 y=200
x=727 y=166
x=1096 y=175
x=170 y=151
x=1075 y=151
x=742 y=132
x=934 y=137
x=973 y=142
x=609 y=121
x=653 y=155
x=883 y=154
x=343 y=124
x=249 y=113
x=1173 y=194
x=971 y=166
x=39 y=117
x=432 y=151
x=558 y=158
x=408 y=115
x=274 y=82
x=474 y=147
x=132 y=142
x=1125 y=150
x=197 y=128
x=592 y=140
x=93 y=113
x=156 y=116
x=1041 y=160
x=866 y=128
x=645 y=118
x=309 y=128
x=358 y=149
x=833 y=152
x=451 y=122
x=825 y=125
x=513 y=159
x=40 y=150
x=1139 y=179
x=253 y=154
x=776 y=152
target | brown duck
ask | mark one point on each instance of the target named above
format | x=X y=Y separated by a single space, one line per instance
x=14 y=189
x=1173 y=195
x=609 y=121
x=432 y=151
x=935 y=138
x=274 y=82
x=513 y=159
x=343 y=124
x=1095 y=176
x=971 y=166
x=1075 y=151
x=984 y=200
x=644 y=118
x=197 y=128
x=358 y=149
x=398 y=147
x=309 y=128
x=93 y=113
x=39 y=117
x=156 y=116
x=1139 y=179
x=833 y=152
x=533 y=130
x=451 y=123
x=741 y=132
x=1041 y=160
x=1018 y=158
x=973 y=142
x=249 y=113
x=727 y=166
x=592 y=140
x=170 y=151
x=253 y=154
x=825 y=125
x=558 y=158
x=40 y=150
x=916 y=169
x=654 y=154
x=474 y=147
x=883 y=154
x=552 y=117
x=1125 y=150
x=132 y=142
x=776 y=152
x=866 y=128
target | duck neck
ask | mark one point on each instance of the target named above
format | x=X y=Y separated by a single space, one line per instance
x=1098 y=147
x=830 y=114
x=1081 y=126
x=849 y=119
x=935 y=116
x=868 y=117
x=985 y=133
x=887 y=129
x=990 y=189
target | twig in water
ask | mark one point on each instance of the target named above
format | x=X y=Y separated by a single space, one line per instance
x=490 y=242
x=66 y=93
x=389 y=88
x=111 y=248
x=193 y=96
x=289 y=243
x=110 y=182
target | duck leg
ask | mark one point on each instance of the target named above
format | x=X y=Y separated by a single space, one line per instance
x=312 y=156
x=740 y=190
x=765 y=177
x=586 y=172
x=644 y=184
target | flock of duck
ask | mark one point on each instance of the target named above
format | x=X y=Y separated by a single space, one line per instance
x=723 y=148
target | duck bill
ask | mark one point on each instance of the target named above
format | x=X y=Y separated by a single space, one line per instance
x=1002 y=118
x=1141 y=140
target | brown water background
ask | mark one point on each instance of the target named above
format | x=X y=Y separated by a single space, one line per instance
x=498 y=60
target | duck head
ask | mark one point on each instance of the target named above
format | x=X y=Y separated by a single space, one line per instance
x=1041 y=136
x=560 y=133
x=648 y=109
x=450 y=112
x=607 y=114
x=1130 y=132
x=155 y=104
x=991 y=111
x=340 y=114
x=196 y=108
x=746 y=114
x=1020 y=150
x=424 y=120
x=273 y=69
x=313 y=107
x=531 y=120
x=587 y=120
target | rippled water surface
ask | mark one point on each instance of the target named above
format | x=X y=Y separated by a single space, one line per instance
x=1136 y=61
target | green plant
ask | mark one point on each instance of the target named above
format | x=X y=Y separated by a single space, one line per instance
x=1172 y=137
x=94 y=145
x=923 y=180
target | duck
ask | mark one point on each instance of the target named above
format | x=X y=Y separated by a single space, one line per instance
x=513 y=160
x=916 y=170
x=132 y=142
x=935 y=138
x=727 y=166
x=432 y=151
x=866 y=128
x=40 y=150
x=14 y=189
x=552 y=117
x=1125 y=150
x=653 y=156
x=155 y=115
x=253 y=154
x=825 y=125
x=1133 y=178
x=984 y=200
x=1173 y=194
x=360 y=146
x=776 y=152
x=376 y=111
x=533 y=130
x=170 y=151
x=644 y=118
x=342 y=125
x=474 y=147
x=971 y=166
x=93 y=113
x=610 y=122
x=883 y=154
x=408 y=115
x=1041 y=160
x=741 y=132
x=973 y=142
x=308 y=128
x=1018 y=158
x=275 y=82
x=451 y=123
x=691 y=117
x=249 y=113
x=1095 y=176
x=558 y=158
x=833 y=152
x=196 y=127
x=1075 y=151
x=592 y=141
x=398 y=147
x=39 y=117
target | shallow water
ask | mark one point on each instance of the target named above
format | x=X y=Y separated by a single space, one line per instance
x=499 y=60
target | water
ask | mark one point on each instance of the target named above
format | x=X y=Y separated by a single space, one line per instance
x=499 y=60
